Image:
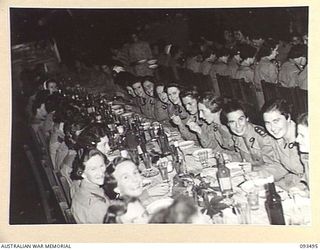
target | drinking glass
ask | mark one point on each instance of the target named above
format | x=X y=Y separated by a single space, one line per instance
x=163 y=168
x=243 y=213
x=253 y=199
x=203 y=158
x=147 y=160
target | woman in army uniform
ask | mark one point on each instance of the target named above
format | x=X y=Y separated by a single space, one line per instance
x=89 y=203
x=285 y=166
x=250 y=141
x=212 y=134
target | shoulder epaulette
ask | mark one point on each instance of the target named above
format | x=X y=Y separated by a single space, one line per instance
x=260 y=131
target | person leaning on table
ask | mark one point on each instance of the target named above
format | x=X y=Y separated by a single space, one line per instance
x=286 y=166
x=212 y=134
x=250 y=141
x=189 y=100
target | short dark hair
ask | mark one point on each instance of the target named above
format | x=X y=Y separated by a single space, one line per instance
x=189 y=92
x=211 y=101
x=223 y=52
x=231 y=106
x=297 y=51
x=83 y=156
x=40 y=99
x=280 y=105
x=266 y=48
x=247 y=51
x=91 y=135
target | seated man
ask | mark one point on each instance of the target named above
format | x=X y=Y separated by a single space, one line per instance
x=285 y=165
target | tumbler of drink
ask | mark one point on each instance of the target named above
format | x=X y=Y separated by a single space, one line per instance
x=243 y=213
x=147 y=160
x=163 y=168
x=203 y=158
x=253 y=199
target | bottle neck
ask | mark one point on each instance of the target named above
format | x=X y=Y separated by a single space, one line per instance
x=272 y=188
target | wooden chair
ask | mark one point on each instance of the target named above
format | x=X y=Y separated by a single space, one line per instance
x=44 y=193
x=65 y=187
x=248 y=93
x=270 y=91
x=236 y=89
x=207 y=84
x=301 y=97
x=225 y=86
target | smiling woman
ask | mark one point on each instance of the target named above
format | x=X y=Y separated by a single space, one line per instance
x=286 y=168
x=89 y=203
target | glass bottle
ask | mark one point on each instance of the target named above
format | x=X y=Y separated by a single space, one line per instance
x=224 y=177
x=274 y=205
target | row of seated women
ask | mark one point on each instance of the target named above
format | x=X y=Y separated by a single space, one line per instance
x=226 y=126
x=79 y=148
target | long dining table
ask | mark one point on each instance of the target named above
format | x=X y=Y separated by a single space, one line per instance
x=296 y=209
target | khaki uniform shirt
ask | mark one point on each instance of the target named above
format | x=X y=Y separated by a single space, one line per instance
x=284 y=164
x=146 y=105
x=215 y=136
x=253 y=145
x=265 y=70
x=89 y=203
x=288 y=74
x=246 y=73
x=161 y=111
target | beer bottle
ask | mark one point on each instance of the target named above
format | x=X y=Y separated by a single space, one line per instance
x=273 y=204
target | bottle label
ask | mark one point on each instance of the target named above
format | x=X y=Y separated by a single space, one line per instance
x=225 y=184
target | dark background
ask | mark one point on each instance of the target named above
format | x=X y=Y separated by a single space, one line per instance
x=94 y=31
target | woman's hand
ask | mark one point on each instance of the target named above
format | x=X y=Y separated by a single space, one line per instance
x=176 y=120
x=193 y=126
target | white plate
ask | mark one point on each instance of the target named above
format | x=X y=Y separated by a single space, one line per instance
x=209 y=150
x=158 y=205
x=186 y=144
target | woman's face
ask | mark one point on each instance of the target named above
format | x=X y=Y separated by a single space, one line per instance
x=103 y=145
x=276 y=123
x=303 y=138
x=237 y=122
x=52 y=87
x=173 y=95
x=42 y=112
x=190 y=104
x=148 y=88
x=129 y=180
x=138 y=89
x=205 y=113
x=130 y=91
x=95 y=169
x=161 y=94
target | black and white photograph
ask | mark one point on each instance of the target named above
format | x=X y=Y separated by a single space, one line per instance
x=160 y=116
